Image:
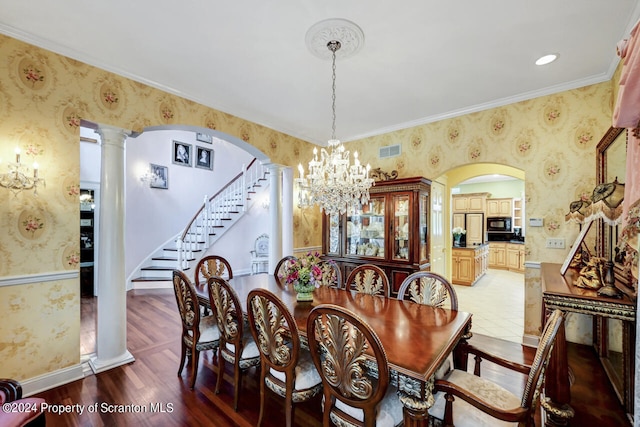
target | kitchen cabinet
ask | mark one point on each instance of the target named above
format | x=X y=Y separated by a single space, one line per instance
x=497 y=255
x=515 y=257
x=468 y=264
x=390 y=231
x=470 y=202
x=500 y=207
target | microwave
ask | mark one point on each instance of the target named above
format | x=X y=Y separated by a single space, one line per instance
x=499 y=224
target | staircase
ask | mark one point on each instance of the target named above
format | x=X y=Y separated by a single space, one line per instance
x=215 y=217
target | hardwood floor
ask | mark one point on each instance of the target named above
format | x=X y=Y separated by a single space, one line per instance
x=151 y=387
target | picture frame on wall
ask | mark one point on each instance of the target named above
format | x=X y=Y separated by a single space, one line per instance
x=203 y=137
x=182 y=153
x=160 y=176
x=204 y=158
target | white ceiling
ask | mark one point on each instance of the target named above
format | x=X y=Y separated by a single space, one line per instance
x=422 y=60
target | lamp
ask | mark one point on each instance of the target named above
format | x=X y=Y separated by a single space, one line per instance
x=20 y=177
x=578 y=211
x=332 y=182
x=607 y=205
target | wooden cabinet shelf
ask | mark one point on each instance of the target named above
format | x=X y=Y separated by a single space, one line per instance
x=391 y=231
x=470 y=202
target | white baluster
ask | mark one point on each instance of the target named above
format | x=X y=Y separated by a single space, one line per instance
x=179 y=252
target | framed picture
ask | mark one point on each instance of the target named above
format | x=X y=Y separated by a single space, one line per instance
x=204 y=158
x=203 y=137
x=576 y=245
x=160 y=176
x=182 y=153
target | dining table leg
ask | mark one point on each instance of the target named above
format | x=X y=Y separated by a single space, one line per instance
x=416 y=397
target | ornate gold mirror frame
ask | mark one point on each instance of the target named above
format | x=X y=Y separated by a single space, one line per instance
x=611 y=163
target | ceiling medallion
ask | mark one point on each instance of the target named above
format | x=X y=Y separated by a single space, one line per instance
x=349 y=35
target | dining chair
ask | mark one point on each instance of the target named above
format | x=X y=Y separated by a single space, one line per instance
x=425 y=287
x=467 y=399
x=212 y=265
x=199 y=333
x=282 y=264
x=209 y=266
x=260 y=254
x=285 y=367
x=356 y=388
x=368 y=279
x=237 y=346
x=331 y=275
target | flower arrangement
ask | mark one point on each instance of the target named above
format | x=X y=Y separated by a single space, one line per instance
x=458 y=231
x=304 y=274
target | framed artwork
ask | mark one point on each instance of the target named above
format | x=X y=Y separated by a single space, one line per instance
x=204 y=158
x=576 y=245
x=182 y=153
x=160 y=176
x=203 y=137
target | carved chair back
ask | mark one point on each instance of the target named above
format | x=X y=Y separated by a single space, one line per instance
x=331 y=275
x=212 y=265
x=425 y=287
x=368 y=279
x=339 y=341
x=280 y=267
x=195 y=337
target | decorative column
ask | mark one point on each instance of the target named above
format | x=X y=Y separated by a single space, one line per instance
x=287 y=210
x=111 y=325
x=275 y=216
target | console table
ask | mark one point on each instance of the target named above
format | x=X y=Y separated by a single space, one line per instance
x=558 y=292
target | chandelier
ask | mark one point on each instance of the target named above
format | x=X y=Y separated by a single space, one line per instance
x=20 y=177
x=332 y=182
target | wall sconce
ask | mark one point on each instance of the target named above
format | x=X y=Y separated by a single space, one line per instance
x=266 y=202
x=148 y=176
x=20 y=177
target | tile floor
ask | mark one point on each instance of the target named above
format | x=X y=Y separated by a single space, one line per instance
x=497 y=304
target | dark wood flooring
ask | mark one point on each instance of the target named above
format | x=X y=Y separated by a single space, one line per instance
x=151 y=382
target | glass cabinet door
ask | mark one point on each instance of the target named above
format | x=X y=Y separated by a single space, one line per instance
x=333 y=234
x=423 y=222
x=366 y=230
x=401 y=227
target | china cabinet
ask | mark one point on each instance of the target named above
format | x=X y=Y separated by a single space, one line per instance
x=390 y=231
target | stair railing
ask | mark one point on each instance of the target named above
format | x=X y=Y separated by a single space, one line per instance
x=215 y=211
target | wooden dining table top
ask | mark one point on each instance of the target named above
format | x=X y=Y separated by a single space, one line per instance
x=417 y=338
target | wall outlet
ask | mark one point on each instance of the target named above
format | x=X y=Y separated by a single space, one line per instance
x=555 y=243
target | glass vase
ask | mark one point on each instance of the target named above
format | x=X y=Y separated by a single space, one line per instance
x=304 y=291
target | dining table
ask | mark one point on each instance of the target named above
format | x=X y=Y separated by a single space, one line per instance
x=417 y=338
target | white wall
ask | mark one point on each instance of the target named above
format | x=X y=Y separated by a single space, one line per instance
x=155 y=216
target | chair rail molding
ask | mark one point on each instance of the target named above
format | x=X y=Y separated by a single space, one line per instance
x=39 y=278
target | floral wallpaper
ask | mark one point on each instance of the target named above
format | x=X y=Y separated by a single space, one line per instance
x=43 y=97
x=552 y=139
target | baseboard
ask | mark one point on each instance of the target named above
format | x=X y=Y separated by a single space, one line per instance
x=530 y=340
x=152 y=284
x=52 y=379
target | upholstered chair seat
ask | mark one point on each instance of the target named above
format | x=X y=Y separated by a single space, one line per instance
x=389 y=412
x=463 y=399
x=199 y=333
x=307 y=382
x=285 y=368
x=465 y=415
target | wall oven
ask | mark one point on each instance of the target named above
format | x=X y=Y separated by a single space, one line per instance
x=499 y=224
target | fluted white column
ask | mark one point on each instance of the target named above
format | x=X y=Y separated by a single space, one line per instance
x=275 y=216
x=287 y=211
x=111 y=325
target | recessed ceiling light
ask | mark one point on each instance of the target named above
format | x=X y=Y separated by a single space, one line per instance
x=546 y=59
